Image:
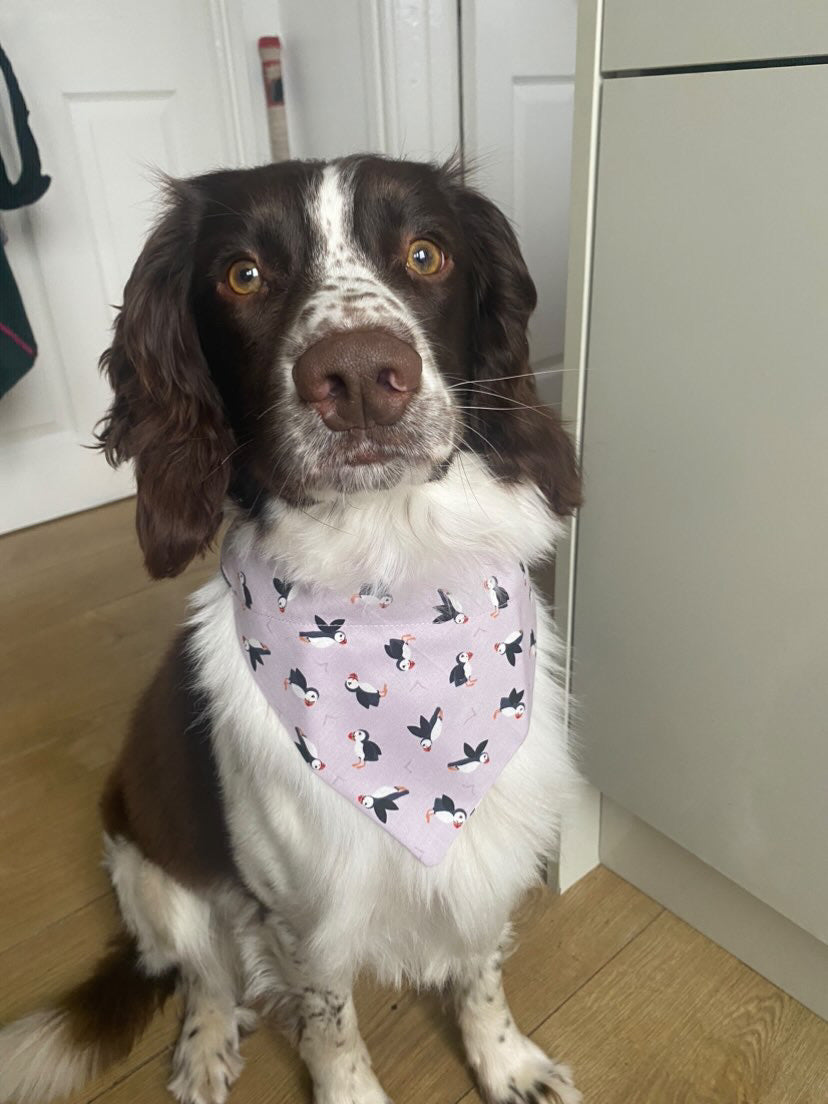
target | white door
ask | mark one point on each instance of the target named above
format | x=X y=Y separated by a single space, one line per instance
x=115 y=90
x=518 y=81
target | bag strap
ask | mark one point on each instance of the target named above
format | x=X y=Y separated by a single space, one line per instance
x=31 y=184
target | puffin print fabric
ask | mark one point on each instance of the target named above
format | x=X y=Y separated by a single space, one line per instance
x=409 y=703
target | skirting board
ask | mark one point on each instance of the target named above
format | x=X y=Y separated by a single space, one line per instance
x=758 y=935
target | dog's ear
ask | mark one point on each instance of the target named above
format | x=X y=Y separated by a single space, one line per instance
x=519 y=436
x=167 y=415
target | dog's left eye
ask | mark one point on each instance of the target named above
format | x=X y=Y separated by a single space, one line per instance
x=425 y=258
x=243 y=277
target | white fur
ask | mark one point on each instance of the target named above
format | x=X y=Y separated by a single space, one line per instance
x=412 y=531
x=207 y=1061
x=38 y=1060
x=513 y=1069
x=197 y=935
x=334 y=1052
x=350 y=896
x=508 y=1066
x=170 y=922
x=356 y=896
x=342 y=894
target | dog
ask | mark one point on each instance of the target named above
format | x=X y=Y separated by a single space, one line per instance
x=332 y=356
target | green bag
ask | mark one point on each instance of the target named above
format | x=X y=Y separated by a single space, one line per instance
x=17 y=344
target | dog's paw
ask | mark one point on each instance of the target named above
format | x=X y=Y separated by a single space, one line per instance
x=352 y=1083
x=519 y=1072
x=207 y=1062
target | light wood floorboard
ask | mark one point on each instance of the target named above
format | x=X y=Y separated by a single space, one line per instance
x=647 y=1010
x=677 y=1019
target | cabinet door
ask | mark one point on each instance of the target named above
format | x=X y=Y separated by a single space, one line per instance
x=647 y=34
x=701 y=635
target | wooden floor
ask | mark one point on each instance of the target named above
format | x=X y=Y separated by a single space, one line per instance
x=645 y=1009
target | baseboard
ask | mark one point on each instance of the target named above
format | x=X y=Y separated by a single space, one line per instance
x=752 y=931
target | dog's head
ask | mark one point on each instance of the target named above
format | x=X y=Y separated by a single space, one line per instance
x=304 y=329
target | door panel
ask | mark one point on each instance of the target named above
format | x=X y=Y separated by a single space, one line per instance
x=519 y=65
x=116 y=92
x=700 y=644
x=646 y=34
x=542 y=134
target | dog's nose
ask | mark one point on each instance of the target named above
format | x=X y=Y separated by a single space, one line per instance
x=358 y=378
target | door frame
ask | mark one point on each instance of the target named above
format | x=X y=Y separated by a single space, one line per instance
x=236 y=29
x=581 y=830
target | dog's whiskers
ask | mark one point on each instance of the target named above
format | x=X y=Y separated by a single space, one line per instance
x=485 y=440
x=518 y=375
x=540 y=408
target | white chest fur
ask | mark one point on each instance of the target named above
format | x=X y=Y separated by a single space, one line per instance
x=355 y=890
x=350 y=889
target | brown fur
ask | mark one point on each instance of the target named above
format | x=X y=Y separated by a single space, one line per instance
x=163 y=794
x=192 y=365
x=167 y=415
x=111 y=1009
x=521 y=438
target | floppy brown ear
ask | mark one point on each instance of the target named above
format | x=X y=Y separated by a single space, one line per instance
x=167 y=415
x=520 y=438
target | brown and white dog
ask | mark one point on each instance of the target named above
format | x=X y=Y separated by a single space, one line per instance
x=335 y=355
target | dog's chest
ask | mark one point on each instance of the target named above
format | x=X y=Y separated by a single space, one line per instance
x=320 y=862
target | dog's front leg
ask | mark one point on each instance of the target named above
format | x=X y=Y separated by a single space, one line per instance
x=509 y=1068
x=333 y=1049
x=312 y=1003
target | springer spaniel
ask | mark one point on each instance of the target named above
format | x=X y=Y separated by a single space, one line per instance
x=347 y=759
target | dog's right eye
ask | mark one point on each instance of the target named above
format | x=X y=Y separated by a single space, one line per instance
x=243 y=277
x=425 y=258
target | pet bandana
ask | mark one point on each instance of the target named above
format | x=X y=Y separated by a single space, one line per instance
x=409 y=702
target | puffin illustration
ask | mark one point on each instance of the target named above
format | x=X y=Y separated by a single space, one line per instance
x=370 y=596
x=308 y=751
x=256 y=650
x=446 y=811
x=428 y=731
x=461 y=671
x=400 y=651
x=297 y=682
x=382 y=800
x=324 y=635
x=475 y=757
x=449 y=610
x=510 y=646
x=248 y=597
x=366 y=749
x=366 y=694
x=512 y=706
x=533 y=644
x=497 y=593
x=283 y=589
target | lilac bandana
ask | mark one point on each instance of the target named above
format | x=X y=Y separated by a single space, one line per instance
x=409 y=703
